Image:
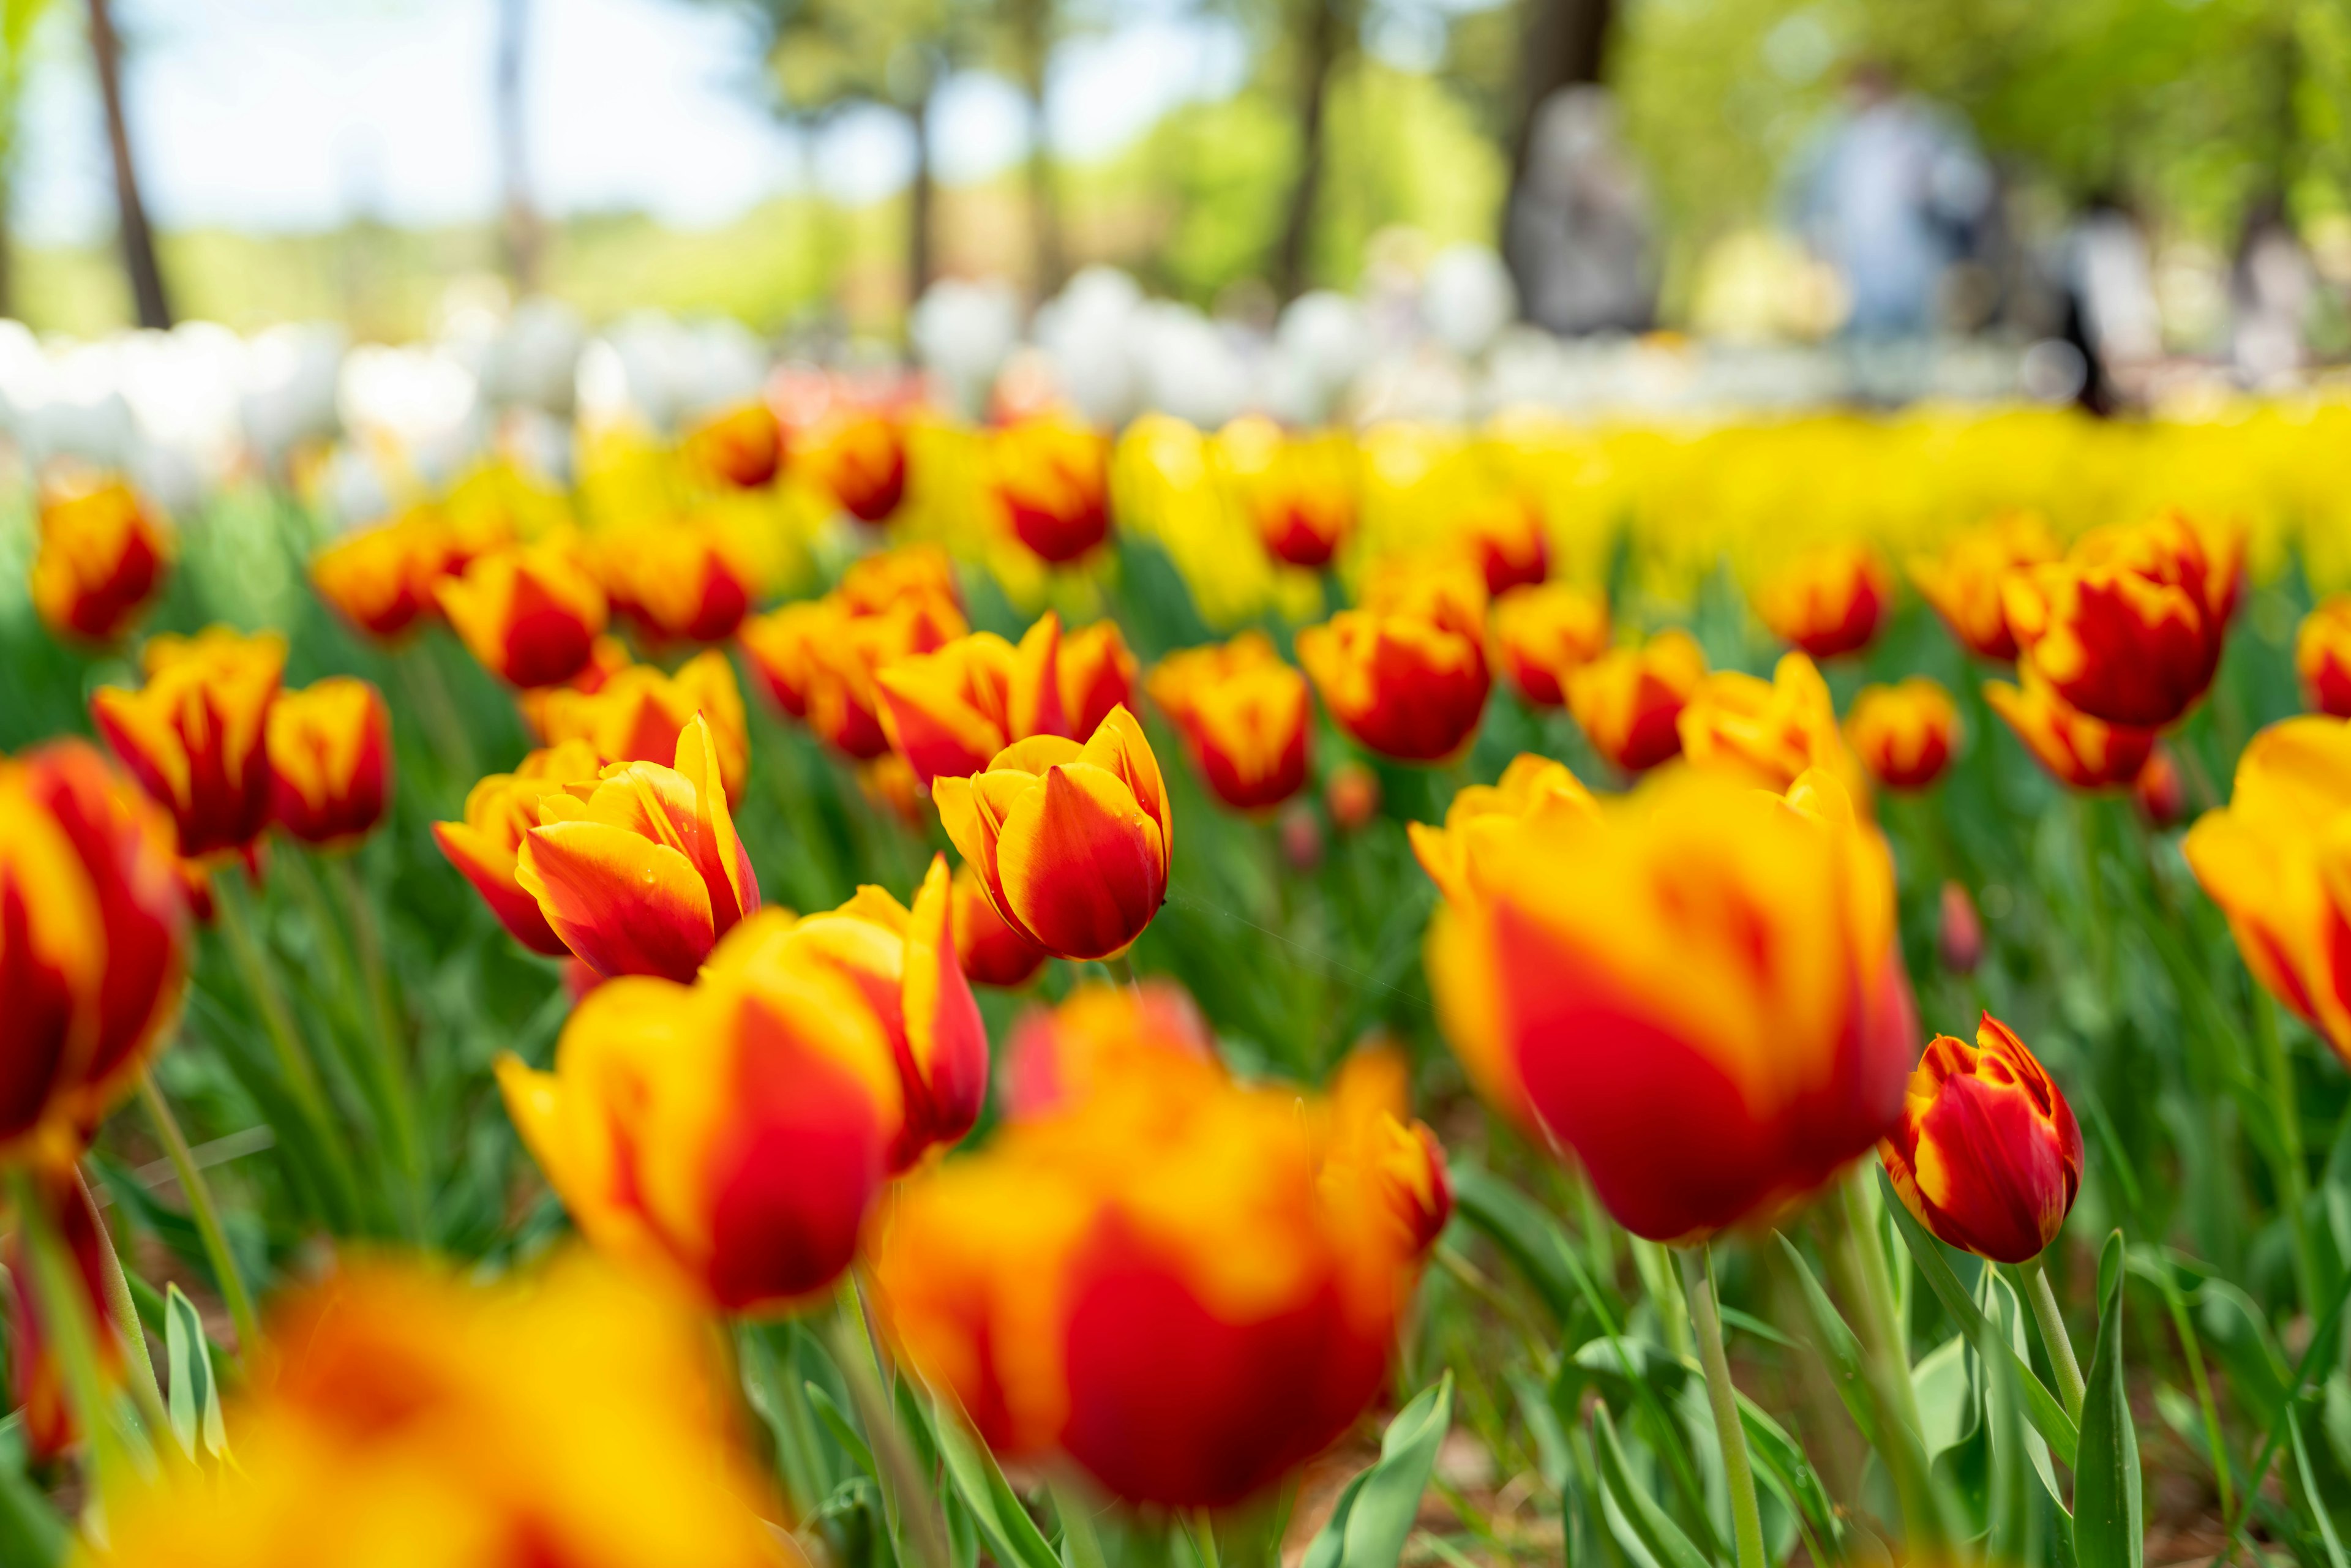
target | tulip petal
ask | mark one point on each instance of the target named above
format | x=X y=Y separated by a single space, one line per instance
x=945 y=1039
x=1082 y=865
x=622 y=903
x=491 y=870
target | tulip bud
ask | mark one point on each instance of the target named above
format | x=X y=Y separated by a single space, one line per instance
x=103 y=556
x=1827 y=602
x=1504 y=535
x=1986 y=1154
x=641 y=873
x=2079 y=751
x=1406 y=674
x=1481 y=816
x=1629 y=701
x=500 y=811
x=1351 y=794
x=196 y=735
x=1071 y=842
x=1301 y=838
x=2322 y=657
x=1244 y=717
x=530 y=614
x=743 y=446
x=947 y=713
x=1904 y=735
x=640 y=714
x=1773 y=730
x=1963 y=583
x=1543 y=634
x=1051 y=479
x=993 y=953
x=2128 y=628
x=383 y=580
x=2157 y=791
x=1960 y=937
x=860 y=458
x=330 y=760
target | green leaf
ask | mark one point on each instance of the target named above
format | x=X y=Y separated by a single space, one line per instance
x=195 y=1408
x=1375 y=1513
x=1658 y=1533
x=836 y=1421
x=2109 y=1528
x=1532 y=1241
x=1780 y=1461
x=1012 y=1537
x=1838 y=1347
x=32 y=1534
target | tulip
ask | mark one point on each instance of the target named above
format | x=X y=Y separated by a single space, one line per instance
x=1302 y=492
x=383 y=580
x=103 y=557
x=1481 y=816
x=2159 y=792
x=1904 y=735
x=1094 y=673
x=1986 y=1154
x=94 y=950
x=875 y=582
x=1401 y=1162
x=2079 y=751
x=1301 y=838
x=904 y=965
x=2128 y=628
x=1504 y=535
x=682 y=582
x=330 y=760
x=1771 y=729
x=1959 y=936
x=860 y=457
x=641 y=874
x=818 y=659
x=1543 y=634
x=1244 y=717
x=1629 y=701
x=1698 y=992
x=743 y=446
x=40 y=1387
x=500 y=811
x=196 y=735
x=949 y=712
x=786 y=647
x=1103 y=1037
x=1963 y=583
x=2322 y=657
x=1051 y=480
x=993 y=953
x=1184 y=1286
x=1071 y=842
x=1827 y=602
x=531 y=613
x=1352 y=795
x=1406 y=674
x=640 y=714
x=405 y=1414
x=2274 y=859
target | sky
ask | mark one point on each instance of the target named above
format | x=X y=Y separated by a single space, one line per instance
x=302 y=114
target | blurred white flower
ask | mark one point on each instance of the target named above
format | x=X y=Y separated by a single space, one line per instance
x=421 y=406
x=288 y=390
x=1467 y=299
x=964 y=332
x=665 y=372
x=1087 y=333
x=1190 y=367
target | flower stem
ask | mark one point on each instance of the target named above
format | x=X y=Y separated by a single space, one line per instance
x=205 y=1214
x=903 y=1496
x=1121 y=969
x=2053 y=1336
x=2293 y=1178
x=383 y=1015
x=1738 y=1476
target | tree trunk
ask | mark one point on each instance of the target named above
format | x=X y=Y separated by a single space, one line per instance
x=1565 y=45
x=138 y=240
x=1032 y=23
x=919 y=237
x=523 y=237
x=1318 y=55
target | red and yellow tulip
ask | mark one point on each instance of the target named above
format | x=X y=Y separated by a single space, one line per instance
x=1987 y=1155
x=1302 y=492
x=500 y=811
x=681 y=582
x=818 y=659
x=1503 y=533
x=1481 y=817
x=383 y=580
x=2079 y=751
x=530 y=613
x=1406 y=675
x=1773 y=730
x=1905 y=735
x=1058 y=1056
x=1963 y=583
x=1544 y=632
x=2322 y=657
x=330 y=760
x=1245 y=717
x=103 y=556
x=639 y=714
x=1629 y=701
x=196 y=735
x=1826 y=601
x=859 y=456
x=992 y=952
x=950 y=712
x=1051 y=478
x=742 y=446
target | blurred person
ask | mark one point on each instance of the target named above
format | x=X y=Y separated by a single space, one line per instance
x=2270 y=289
x=2106 y=277
x=1579 y=223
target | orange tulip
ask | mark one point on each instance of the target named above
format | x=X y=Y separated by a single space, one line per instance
x=2078 y=750
x=1184 y=1286
x=1827 y=602
x=500 y=811
x=1301 y=491
x=680 y=582
x=1543 y=634
x=639 y=713
x=993 y=953
x=860 y=457
x=2322 y=657
x=743 y=446
x=103 y=556
x=1070 y=841
x=1094 y=673
x=1987 y=1155
x=1481 y=816
x=641 y=873
x=787 y=646
x=530 y=613
x=1406 y=675
x=2277 y=860
x=1963 y=583
x=93 y=954
x=196 y=735
x=2128 y=628
x=1699 y=991
x=1244 y=717
x=818 y=660
x=1904 y=735
x=383 y=580
x=1629 y=701
x=949 y=712
x=1772 y=729
x=875 y=582
x=330 y=760
x=1051 y=479
x=1102 y=1036
x=1504 y=535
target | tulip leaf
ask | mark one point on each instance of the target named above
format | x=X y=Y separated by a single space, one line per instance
x=1527 y=1236
x=1838 y=1347
x=836 y=1421
x=195 y=1407
x=1368 y=1525
x=32 y=1533
x=1012 y=1536
x=1780 y=1462
x=2040 y=1406
x=2109 y=1528
x=1657 y=1531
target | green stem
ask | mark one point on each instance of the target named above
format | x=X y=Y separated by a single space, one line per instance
x=1121 y=969
x=903 y=1495
x=1865 y=1281
x=383 y=1016
x=1738 y=1476
x=2054 y=1337
x=1070 y=1506
x=206 y=1216
x=2185 y=1327
x=2293 y=1180
x=145 y=1392
x=72 y=1334
x=1204 y=1537
x=1656 y=1271
x=421 y=670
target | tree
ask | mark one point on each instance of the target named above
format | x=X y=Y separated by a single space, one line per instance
x=1029 y=28
x=1564 y=44
x=17 y=18
x=137 y=238
x=1323 y=34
